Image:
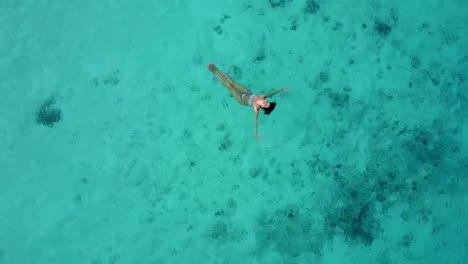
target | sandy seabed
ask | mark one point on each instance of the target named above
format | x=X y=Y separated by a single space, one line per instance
x=119 y=146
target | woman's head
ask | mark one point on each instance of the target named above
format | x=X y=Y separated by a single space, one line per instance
x=263 y=103
x=270 y=108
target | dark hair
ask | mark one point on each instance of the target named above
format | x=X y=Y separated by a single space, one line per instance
x=270 y=109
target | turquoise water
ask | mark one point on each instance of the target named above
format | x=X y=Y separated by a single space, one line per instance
x=119 y=146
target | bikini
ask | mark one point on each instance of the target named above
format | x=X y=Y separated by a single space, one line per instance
x=252 y=96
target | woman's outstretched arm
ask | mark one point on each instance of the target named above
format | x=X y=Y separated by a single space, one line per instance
x=275 y=92
x=256 y=122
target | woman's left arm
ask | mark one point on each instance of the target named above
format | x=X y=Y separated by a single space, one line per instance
x=277 y=91
x=256 y=122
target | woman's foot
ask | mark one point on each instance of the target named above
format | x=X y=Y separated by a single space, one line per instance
x=211 y=67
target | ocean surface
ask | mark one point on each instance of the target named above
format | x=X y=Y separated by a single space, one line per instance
x=118 y=145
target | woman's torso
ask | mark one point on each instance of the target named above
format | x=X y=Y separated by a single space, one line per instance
x=251 y=98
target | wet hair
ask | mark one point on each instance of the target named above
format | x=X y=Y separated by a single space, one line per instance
x=270 y=109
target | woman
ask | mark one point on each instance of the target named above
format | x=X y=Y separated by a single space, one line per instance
x=244 y=96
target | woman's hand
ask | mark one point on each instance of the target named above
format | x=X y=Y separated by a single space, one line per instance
x=284 y=90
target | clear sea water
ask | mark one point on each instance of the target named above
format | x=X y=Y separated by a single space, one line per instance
x=119 y=146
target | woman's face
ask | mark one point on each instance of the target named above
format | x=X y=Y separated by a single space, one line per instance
x=264 y=103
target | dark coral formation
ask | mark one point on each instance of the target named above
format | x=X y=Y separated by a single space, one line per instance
x=235 y=72
x=382 y=28
x=48 y=114
x=312 y=7
x=279 y=3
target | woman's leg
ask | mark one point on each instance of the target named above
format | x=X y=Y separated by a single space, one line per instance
x=241 y=88
x=221 y=76
x=226 y=81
